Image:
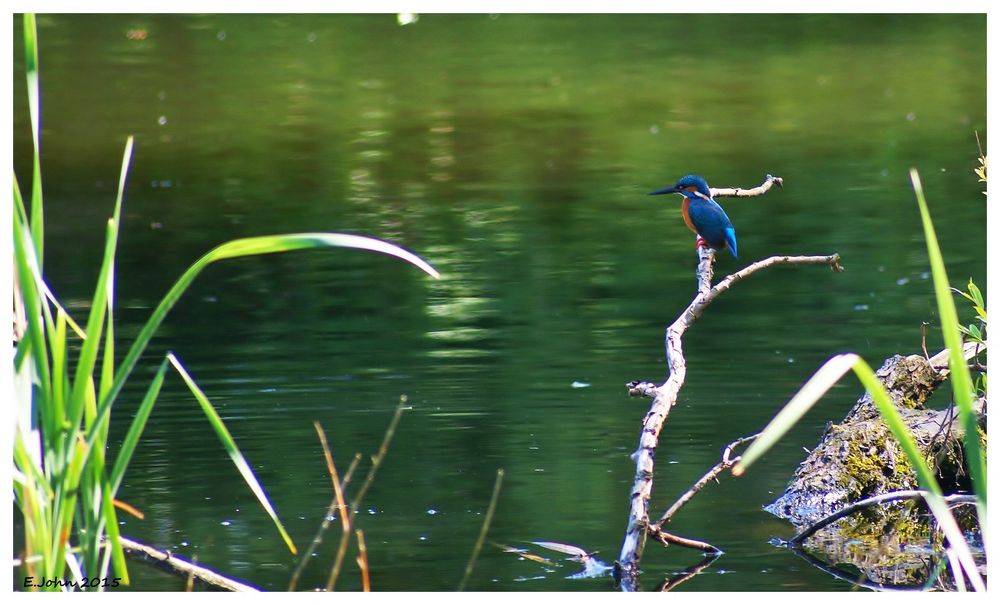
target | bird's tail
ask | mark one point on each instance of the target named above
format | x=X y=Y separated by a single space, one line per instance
x=731 y=240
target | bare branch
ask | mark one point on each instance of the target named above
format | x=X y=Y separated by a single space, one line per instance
x=668 y=539
x=759 y=190
x=665 y=396
x=706 y=258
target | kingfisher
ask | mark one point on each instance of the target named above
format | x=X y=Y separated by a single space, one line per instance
x=702 y=214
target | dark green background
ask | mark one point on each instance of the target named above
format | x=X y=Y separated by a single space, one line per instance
x=514 y=154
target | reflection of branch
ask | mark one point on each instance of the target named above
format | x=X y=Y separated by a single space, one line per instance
x=669 y=584
x=906 y=494
x=859 y=581
x=726 y=462
x=666 y=395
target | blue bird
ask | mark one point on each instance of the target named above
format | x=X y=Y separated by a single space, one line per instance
x=702 y=214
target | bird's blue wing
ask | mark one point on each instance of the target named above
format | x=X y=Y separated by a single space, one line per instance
x=712 y=224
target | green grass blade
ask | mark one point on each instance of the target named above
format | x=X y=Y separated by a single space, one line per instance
x=234 y=452
x=135 y=429
x=64 y=513
x=110 y=518
x=29 y=279
x=33 y=492
x=31 y=72
x=812 y=391
x=234 y=249
x=961 y=378
x=815 y=388
x=98 y=308
x=84 y=376
x=270 y=244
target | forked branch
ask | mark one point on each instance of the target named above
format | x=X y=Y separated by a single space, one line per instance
x=665 y=395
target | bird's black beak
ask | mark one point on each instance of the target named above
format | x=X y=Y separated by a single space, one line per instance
x=663 y=191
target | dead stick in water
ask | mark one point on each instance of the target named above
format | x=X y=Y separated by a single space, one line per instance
x=376 y=462
x=173 y=563
x=482 y=532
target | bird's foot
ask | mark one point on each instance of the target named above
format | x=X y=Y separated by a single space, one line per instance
x=701 y=243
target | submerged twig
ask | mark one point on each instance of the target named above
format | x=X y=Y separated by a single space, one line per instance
x=483 y=530
x=171 y=562
x=376 y=462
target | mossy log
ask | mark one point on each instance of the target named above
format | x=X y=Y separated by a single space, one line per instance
x=858 y=457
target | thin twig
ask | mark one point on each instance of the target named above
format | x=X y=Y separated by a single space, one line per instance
x=366 y=583
x=376 y=462
x=923 y=339
x=353 y=466
x=726 y=462
x=336 y=504
x=906 y=494
x=338 y=491
x=668 y=538
x=483 y=530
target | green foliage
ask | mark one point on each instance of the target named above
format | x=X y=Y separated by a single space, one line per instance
x=64 y=392
x=833 y=370
x=974 y=332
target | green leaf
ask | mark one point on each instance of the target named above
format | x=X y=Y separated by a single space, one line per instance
x=961 y=378
x=811 y=392
x=230 y=445
x=31 y=73
x=977 y=296
x=136 y=427
x=234 y=249
x=99 y=309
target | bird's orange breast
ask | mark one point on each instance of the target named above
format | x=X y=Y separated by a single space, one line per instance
x=687 y=217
